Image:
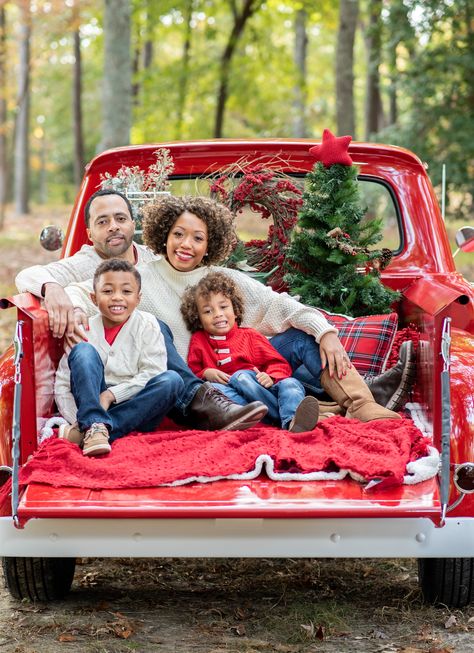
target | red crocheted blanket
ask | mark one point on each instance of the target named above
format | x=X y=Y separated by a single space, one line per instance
x=336 y=447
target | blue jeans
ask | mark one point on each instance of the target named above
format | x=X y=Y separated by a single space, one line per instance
x=142 y=412
x=191 y=383
x=282 y=399
x=302 y=352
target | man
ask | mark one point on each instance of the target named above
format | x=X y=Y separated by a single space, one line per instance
x=110 y=227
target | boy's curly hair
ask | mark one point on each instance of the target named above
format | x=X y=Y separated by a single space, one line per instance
x=214 y=282
x=159 y=218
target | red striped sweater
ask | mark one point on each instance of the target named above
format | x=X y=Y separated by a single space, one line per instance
x=240 y=349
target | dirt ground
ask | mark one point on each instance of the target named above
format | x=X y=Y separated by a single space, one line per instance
x=217 y=606
x=238 y=606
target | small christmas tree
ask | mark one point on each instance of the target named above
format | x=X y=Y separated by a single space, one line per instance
x=329 y=264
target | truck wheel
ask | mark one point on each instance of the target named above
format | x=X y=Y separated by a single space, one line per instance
x=38 y=579
x=449 y=581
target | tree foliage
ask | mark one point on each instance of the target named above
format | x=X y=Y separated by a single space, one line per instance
x=424 y=73
x=332 y=244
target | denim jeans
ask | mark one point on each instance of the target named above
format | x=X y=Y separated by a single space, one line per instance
x=282 y=399
x=302 y=352
x=191 y=383
x=142 y=412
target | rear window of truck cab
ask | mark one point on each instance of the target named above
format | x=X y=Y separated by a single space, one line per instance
x=375 y=196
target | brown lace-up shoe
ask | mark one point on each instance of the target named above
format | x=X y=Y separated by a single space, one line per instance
x=96 y=440
x=72 y=433
x=211 y=410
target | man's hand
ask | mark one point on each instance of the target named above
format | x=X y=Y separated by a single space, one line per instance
x=60 y=310
x=106 y=399
x=263 y=378
x=216 y=376
x=333 y=355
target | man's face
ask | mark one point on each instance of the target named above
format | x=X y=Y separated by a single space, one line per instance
x=111 y=227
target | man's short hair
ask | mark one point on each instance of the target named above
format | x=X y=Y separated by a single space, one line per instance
x=101 y=193
x=116 y=265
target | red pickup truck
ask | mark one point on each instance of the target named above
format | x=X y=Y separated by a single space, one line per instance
x=45 y=528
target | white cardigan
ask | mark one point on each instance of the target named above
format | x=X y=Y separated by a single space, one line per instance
x=137 y=354
x=265 y=310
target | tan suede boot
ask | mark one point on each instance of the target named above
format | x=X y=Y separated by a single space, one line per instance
x=352 y=393
x=329 y=409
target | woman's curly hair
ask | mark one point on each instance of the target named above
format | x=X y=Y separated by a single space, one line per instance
x=159 y=218
x=214 y=282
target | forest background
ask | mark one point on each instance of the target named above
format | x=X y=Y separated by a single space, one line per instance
x=77 y=77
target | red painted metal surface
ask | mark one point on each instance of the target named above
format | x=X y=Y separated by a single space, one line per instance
x=7 y=373
x=259 y=498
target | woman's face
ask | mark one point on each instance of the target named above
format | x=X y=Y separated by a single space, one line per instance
x=187 y=242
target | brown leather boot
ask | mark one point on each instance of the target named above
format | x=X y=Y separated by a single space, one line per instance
x=211 y=410
x=392 y=388
x=351 y=393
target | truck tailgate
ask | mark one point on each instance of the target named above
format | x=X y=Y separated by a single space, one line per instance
x=260 y=498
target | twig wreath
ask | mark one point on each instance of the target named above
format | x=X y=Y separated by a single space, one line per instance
x=273 y=195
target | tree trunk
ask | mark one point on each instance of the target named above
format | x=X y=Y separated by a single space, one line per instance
x=300 y=53
x=184 y=75
x=393 y=104
x=373 y=44
x=77 y=110
x=21 y=189
x=135 y=71
x=117 y=82
x=241 y=17
x=148 y=46
x=345 y=112
x=3 y=117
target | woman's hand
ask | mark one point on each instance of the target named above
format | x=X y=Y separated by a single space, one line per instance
x=333 y=355
x=263 y=378
x=216 y=376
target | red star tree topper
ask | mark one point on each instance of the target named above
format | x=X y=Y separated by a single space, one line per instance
x=333 y=149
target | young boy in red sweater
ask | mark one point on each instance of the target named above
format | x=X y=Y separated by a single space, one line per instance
x=239 y=361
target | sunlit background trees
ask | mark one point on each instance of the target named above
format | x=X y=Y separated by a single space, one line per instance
x=79 y=76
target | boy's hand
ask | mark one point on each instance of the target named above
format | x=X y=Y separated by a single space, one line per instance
x=80 y=326
x=263 y=378
x=106 y=399
x=216 y=376
x=333 y=355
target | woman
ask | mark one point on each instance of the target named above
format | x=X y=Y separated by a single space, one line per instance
x=192 y=234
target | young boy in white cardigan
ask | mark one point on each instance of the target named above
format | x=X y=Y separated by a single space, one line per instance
x=117 y=381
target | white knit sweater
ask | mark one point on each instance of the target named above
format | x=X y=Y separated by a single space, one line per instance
x=72 y=269
x=137 y=354
x=265 y=310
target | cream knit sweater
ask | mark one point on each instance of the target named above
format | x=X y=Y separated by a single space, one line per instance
x=137 y=354
x=71 y=269
x=264 y=309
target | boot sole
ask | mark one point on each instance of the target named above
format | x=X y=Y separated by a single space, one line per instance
x=397 y=399
x=306 y=416
x=248 y=420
